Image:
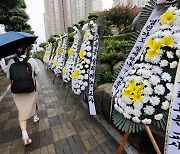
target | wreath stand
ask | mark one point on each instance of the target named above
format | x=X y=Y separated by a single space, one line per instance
x=125 y=138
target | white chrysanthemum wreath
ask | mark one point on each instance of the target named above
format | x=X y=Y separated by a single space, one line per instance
x=145 y=93
x=61 y=56
x=72 y=56
x=47 y=53
x=80 y=74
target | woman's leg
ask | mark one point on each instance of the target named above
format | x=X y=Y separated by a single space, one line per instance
x=36 y=119
x=23 y=125
x=25 y=137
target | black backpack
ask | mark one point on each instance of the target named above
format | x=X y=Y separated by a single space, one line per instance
x=21 y=77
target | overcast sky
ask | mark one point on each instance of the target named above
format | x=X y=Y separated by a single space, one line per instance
x=35 y=10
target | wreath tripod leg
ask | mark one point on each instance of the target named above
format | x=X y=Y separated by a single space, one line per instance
x=123 y=142
x=152 y=139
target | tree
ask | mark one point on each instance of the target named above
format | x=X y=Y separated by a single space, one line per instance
x=43 y=45
x=13 y=15
x=121 y=16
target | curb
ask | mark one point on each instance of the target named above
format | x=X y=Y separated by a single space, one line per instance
x=4 y=93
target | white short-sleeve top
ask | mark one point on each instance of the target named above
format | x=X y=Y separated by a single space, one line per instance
x=32 y=61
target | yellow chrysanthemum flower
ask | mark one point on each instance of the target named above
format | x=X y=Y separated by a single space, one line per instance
x=64 y=70
x=137 y=97
x=60 y=51
x=127 y=93
x=168 y=17
x=86 y=35
x=70 y=51
x=134 y=91
x=154 y=49
x=167 y=41
x=57 y=64
x=149 y=42
x=81 y=54
x=75 y=74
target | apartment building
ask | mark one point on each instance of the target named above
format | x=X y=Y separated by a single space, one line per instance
x=139 y=3
x=60 y=14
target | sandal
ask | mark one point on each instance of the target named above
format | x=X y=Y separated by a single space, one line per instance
x=27 y=141
x=36 y=120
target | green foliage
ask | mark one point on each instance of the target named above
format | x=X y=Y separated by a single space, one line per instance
x=43 y=45
x=92 y=16
x=70 y=29
x=115 y=45
x=121 y=16
x=51 y=39
x=81 y=23
x=39 y=55
x=107 y=76
x=120 y=37
x=109 y=57
x=2 y=77
x=13 y=16
x=71 y=37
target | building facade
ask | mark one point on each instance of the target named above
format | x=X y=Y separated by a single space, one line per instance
x=60 y=14
x=139 y=3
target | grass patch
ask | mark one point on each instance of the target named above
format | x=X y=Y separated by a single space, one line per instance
x=2 y=77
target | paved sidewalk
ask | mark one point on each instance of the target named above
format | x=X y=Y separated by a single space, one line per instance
x=57 y=131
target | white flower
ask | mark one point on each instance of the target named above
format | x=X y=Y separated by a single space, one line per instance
x=137 y=112
x=83 y=71
x=168 y=96
x=116 y=106
x=178 y=53
x=128 y=110
x=132 y=71
x=141 y=58
x=145 y=99
x=166 y=77
x=86 y=66
x=146 y=73
x=138 y=105
x=165 y=26
x=157 y=34
x=138 y=79
x=146 y=82
x=87 y=61
x=149 y=110
x=159 y=89
x=136 y=120
x=148 y=91
x=173 y=64
x=119 y=109
x=154 y=79
x=167 y=33
x=82 y=88
x=89 y=54
x=127 y=116
x=158 y=116
x=127 y=100
x=146 y=121
x=156 y=59
x=170 y=55
x=88 y=48
x=164 y=63
x=155 y=100
x=157 y=70
x=86 y=76
x=85 y=27
x=165 y=105
x=122 y=104
x=170 y=86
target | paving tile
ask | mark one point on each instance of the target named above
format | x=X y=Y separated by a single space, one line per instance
x=58 y=131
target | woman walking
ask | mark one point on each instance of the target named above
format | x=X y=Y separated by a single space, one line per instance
x=26 y=102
